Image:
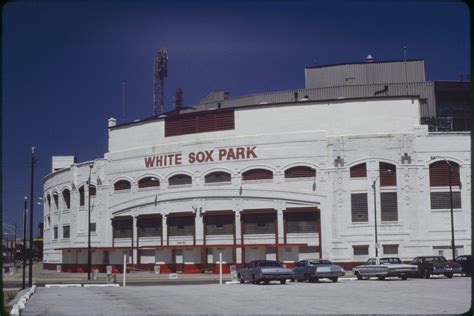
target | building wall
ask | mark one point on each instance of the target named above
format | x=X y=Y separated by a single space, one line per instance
x=306 y=138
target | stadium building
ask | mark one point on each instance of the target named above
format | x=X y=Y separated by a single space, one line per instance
x=286 y=180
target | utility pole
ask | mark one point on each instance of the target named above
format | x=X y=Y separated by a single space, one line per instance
x=25 y=211
x=33 y=161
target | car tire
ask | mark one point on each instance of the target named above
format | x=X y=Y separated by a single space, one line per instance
x=359 y=277
x=307 y=278
x=380 y=277
x=426 y=274
x=282 y=281
x=315 y=279
x=334 y=279
x=242 y=281
x=449 y=275
x=404 y=277
x=266 y=282
x=254 y=280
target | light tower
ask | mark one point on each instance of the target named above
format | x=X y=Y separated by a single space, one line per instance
x=160 y=73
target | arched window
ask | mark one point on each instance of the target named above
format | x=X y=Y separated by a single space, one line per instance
x=218 y=176
x=67 y=198
x=388 y=174
x=439 y=183
x=180 y=179
x=122 y=185
x=49 y=200
x=56 y=199
x=81 y=196
x=148 y=182
x=359 y=171
x=300 y=172
x=257 y=174
x=92 y=190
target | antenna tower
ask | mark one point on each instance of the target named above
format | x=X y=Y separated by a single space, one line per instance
x=160 y=73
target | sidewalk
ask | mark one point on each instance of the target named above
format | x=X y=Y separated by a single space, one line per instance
x=41 y=276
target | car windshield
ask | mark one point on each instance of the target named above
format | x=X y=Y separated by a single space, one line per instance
x=435 y=259
x=389 y=260
x=316 y=262
x=269 y=264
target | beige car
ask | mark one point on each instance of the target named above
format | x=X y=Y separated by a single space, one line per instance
x=384 y=267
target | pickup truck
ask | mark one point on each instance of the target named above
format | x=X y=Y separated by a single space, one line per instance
x=384 y=267
x=264 y=271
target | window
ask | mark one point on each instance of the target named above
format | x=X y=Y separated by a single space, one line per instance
x=259 y=223
x=439 y=174
x=200 y=122
x=55 y=232
x=387 y=178
x=67 y=198
x=359 y=171
x=49 y=201
x=390 y=249
x=441 y=200
x=219 y=224
x=66 y=231
x=388 y=205
x=123 y=228
x=301 y=222
x=300 y=172
x=180 y=225
x=56 y=200
x=180 y=179
x=122 y=185
x=92 y=191
x=149 y=182
x=361 y=250
x=81 y=196
x=257 y=174
x=359 y=207
x=149 y=226
x=217 y=176
x=93 y=227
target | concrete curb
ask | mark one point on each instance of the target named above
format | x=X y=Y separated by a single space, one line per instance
x=16 y=309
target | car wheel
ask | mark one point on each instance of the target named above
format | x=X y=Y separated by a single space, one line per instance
x=316 y=279
x=334 y=279
x=266 y=282
x=282 y=281
x=449 y=275
x=380 y=277
x=426 y=274
x=242 y=281
x=404 y=277
x=307 y=278
x=254 y=280
x=359 y=277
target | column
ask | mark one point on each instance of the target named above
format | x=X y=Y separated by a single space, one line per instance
x=280 y=225
x=198 y=229
x=134 y=241
x=164 y=228
x=238 y=239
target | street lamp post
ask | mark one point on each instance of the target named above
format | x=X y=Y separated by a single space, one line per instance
x=450 y=170
x=30 y=270
x=89 y=224
x=375 y=210
x=25 y=211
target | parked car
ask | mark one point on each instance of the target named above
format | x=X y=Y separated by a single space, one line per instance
x=384 y=267
x=264 y=271
x=465 y=261
x=432 y=265
x=315 y=269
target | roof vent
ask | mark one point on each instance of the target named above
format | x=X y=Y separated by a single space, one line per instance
x=369 y=58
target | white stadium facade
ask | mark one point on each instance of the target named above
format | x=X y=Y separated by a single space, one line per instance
x=284 y=181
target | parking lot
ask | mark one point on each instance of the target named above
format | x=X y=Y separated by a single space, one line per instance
x=433 y=296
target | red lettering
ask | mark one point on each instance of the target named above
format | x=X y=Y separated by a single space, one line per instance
x=177 y=159
x=159 y=161
x=191 y=157
x=222 y=153
x=209 y=155
x=230 y=154
x=200 y=156
x=251 y=151
x=170 y=156
x=149 y=161
x=240 y=153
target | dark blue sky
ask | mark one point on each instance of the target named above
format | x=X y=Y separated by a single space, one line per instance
x=64 y=63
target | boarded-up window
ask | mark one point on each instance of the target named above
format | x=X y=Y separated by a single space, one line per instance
x=55 y=232
x=300 y=172
x=257 y=174
x=439 y=174
x=304 y=222
x=218 y=176
x=388 y=174
x=93 y=227
x=81 y=196
x=149 y=226
x=148 y=182
x=67 y=198
x=92 y=191
x=181 y=226
x=389 y=206
x=361 y=250
x=219 y=224
x=180 y=179
x=441 y=200
x=122 y=185
x=390 y=249
x=259 y=223
x=359 y=171
x=359 y=208
x=123 y=228
x=66 y=231
x=200 y=122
